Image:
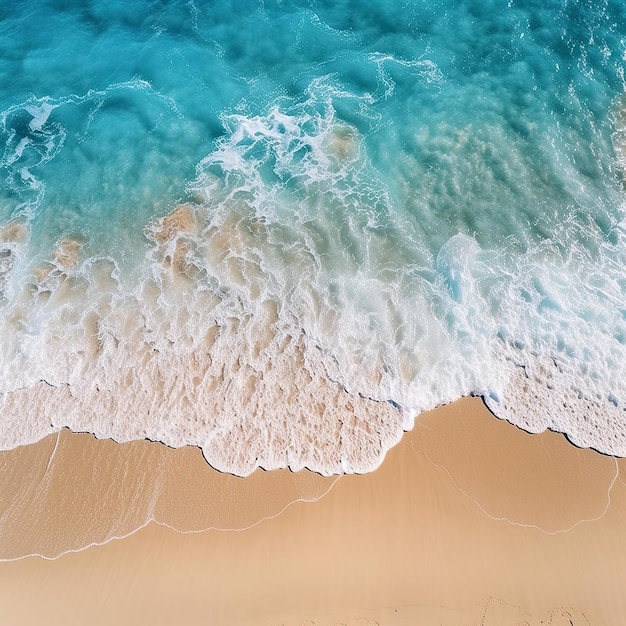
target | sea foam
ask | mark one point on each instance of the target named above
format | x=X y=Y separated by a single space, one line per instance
x=284 y=247
x=216 y=345
x=278 y=324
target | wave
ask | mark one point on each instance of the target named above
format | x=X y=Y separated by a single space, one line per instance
x=289 y=315
x=420 y=215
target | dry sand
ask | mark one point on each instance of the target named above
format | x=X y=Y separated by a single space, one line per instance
x=468 y=521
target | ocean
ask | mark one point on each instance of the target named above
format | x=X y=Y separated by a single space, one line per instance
x=280 y=231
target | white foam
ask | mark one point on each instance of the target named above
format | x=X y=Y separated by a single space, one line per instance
x=423 y=68
x=290 y=318
x=40 y=113
x=209 y=350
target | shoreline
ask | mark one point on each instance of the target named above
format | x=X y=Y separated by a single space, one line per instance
x=418 y=539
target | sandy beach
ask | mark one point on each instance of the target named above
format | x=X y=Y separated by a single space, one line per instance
x=468 y=521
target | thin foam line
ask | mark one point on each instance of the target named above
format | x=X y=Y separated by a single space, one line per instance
x=521 y=524
x=54 y=450
x=164 y=524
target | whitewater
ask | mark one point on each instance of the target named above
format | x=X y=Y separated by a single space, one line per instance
x=280 y=231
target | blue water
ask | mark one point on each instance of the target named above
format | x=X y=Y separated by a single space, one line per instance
x=386 y=206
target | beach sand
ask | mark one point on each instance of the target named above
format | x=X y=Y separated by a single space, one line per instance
x=469 y=521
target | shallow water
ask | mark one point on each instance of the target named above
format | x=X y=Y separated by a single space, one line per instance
x=280 y=231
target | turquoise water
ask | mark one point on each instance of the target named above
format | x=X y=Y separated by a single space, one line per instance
x=385 y=206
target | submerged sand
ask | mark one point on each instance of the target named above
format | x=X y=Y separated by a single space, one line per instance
x=468 y=521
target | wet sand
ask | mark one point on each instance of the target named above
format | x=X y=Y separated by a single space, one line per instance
x=468 y=521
